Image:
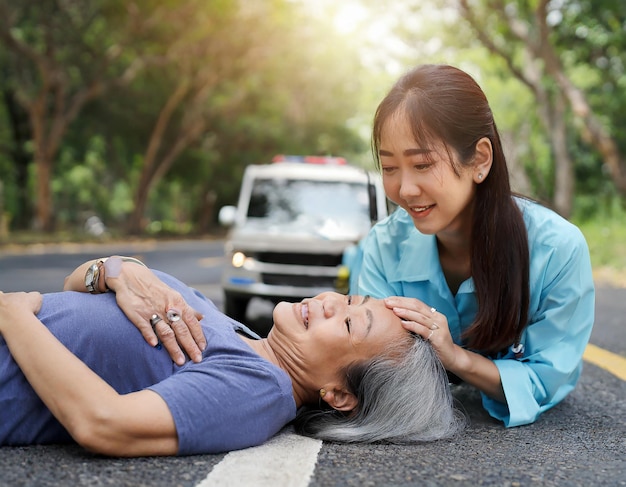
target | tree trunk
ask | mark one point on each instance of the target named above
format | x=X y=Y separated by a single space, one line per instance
x=20 y=130
x=564 y=166
x=50 y=94
x=592 y=131
x=43 y=168
x=155 y=167
x=552 y=113
x=551 y=109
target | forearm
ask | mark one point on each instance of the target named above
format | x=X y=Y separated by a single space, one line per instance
x=141 y=295
x=479 y=372
x=72 y=392
x=76 y=280
x=93 y=413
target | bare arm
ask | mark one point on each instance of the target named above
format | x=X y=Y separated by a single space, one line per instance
x=76 y=280
x=97 y=417
x=140 y=294
x=477 y=371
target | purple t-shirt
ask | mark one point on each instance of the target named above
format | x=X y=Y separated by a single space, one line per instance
x=232 y=399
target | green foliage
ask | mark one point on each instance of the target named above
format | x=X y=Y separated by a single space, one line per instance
x=279 y=79
x=81 y=187
x=592 y=40
x=279 y=82
x=589 y=40
x=605 y=235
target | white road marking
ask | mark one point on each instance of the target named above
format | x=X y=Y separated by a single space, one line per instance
x=287 y=460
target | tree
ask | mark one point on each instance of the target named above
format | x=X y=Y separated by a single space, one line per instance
x=245 y=78
x=568 y=53
x=165 y=91
x=521 y=34
x=215 y=43
x=16 y=149
x=62 y=55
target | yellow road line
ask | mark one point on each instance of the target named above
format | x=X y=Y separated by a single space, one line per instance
x=609 y=361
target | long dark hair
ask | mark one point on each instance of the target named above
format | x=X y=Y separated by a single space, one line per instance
x=445 y=104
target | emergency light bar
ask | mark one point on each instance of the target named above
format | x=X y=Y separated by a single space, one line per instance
x=310 y=159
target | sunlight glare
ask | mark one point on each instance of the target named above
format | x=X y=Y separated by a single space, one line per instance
x=348 y=17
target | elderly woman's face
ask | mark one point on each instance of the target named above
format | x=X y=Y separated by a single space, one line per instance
x=330 y=331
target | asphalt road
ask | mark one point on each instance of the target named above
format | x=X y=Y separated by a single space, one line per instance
x=581 y=442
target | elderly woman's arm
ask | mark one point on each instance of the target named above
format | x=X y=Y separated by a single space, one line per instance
x=141 y=294
x=96 y=416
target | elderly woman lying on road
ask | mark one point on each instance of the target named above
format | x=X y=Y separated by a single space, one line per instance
x=72 y=366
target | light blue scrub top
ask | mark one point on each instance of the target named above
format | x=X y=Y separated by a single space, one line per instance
x=399 y=260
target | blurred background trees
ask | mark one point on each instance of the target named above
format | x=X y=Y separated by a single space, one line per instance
x=145 y=112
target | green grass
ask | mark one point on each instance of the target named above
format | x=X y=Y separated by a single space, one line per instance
x=607 y=245
x=23 y=238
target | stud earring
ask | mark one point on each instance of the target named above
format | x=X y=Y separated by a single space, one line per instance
x=322 y=392
x=480 y=176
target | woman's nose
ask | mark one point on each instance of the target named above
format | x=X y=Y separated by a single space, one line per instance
x=333 y=304
x=409 y=188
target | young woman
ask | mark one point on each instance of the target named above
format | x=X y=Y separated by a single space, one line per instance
x=72 y=366
x=501 y=286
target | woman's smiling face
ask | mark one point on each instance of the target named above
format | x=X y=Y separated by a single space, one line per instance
x=423 y=180
x=324 y=334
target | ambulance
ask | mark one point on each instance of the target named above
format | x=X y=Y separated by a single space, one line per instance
x=294 y=221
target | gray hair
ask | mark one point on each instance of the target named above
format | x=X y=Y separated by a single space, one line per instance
x=405 y=400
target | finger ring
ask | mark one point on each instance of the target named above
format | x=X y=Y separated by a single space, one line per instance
x=173 y=315
x=433 y=310
x=434 y=326
x=430 y=335
x=154 y=320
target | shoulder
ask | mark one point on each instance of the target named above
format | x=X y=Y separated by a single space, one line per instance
x=558 y=249
x=546 y=228
x=235 y=397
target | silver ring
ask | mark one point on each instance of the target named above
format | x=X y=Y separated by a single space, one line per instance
x=173 y=315
x=430 y=335
x=434 y=326
x=154 y=320
x=433 y=310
